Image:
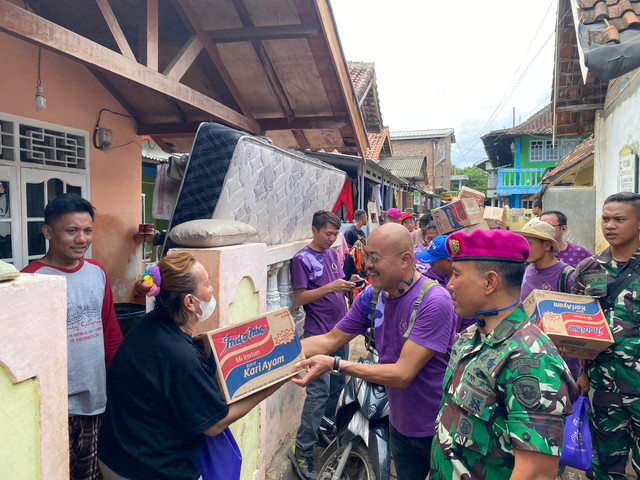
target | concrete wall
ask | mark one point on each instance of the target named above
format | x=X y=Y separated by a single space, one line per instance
x=34 y=440
x=577 y=203
x=74 y=98
x=616 y=126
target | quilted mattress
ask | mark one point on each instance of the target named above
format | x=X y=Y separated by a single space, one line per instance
x=235 y=176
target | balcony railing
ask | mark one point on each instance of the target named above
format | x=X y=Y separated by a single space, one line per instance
x=519 y=180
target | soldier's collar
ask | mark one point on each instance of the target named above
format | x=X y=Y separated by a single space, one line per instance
x=507 y=326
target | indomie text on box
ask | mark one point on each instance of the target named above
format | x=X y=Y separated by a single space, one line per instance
x=574 y=322
x=254 y=354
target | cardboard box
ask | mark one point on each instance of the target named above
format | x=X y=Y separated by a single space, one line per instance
x=466 y=192
x=493 y=214
x=575 y=322
x=482 y=226
x=457 y=215
x=254 y=354
x=517 y=217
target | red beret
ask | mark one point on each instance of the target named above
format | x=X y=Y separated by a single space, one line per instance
x=493 y=245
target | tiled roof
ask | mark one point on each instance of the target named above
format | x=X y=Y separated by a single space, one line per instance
x=581 y=153
x=419 y=134
x=540 y=123
x=618 y=16
x=361 y=75
x=376 y=142
x=405 y=167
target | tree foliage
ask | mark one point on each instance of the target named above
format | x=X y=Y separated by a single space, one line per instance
x=477 y=177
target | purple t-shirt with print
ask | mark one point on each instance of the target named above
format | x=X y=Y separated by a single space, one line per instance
x=310 y=270
x=547 y=279
x=573 y=254
x=413 y=410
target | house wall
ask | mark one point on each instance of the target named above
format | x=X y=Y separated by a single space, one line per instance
x=524 y=153
x=427 y=148
x=616 y=126
x=34 y=442
x=74 y=98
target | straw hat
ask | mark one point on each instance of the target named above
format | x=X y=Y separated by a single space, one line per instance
x=536 y=228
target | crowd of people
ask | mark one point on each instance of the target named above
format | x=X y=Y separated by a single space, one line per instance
x=475 y=389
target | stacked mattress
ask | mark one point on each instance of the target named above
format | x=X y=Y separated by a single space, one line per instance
x=234 y=176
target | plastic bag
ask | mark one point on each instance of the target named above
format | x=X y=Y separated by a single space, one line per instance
x=220 y=457
x=576 y=446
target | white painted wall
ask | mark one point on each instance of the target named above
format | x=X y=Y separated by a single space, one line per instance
x=616 y=126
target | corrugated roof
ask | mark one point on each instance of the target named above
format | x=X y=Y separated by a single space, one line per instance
x=405 y=167
x=418 y=134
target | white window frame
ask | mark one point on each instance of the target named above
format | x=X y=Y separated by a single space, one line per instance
x=20 y=173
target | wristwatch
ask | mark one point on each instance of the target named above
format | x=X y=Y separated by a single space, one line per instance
x=336 y=365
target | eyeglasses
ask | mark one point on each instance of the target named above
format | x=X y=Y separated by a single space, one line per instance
x=367 y=257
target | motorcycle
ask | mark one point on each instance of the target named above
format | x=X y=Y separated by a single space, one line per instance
x=360 y=449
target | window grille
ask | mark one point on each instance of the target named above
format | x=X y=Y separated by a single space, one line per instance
x=43 y=143
x=536 y=151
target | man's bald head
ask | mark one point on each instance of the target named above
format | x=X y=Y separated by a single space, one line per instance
x=391 y=238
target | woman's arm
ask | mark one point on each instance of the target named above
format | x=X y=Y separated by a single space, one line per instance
x=239 y=409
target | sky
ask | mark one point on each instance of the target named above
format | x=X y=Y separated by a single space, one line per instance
x=461 y=64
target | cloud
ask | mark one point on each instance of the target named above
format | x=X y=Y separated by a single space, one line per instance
x=464 y=68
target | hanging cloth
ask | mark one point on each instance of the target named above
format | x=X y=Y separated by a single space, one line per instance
x=345 y=199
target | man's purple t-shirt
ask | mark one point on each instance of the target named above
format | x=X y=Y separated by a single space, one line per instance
x=543 y=279
x=573 y=254
x=413 y=410
x=547 y=279
x=310 y=270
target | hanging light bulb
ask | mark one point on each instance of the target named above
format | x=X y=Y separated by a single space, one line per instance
x=40 y=101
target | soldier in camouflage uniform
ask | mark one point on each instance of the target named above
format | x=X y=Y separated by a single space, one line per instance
x=506 y=389
x=614 y=375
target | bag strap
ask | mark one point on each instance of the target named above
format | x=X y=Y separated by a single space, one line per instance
x=424 y=288
x=564 y=278
x=627 y=274
x=369 y=339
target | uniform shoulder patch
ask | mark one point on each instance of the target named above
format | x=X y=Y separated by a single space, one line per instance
x=526 y=389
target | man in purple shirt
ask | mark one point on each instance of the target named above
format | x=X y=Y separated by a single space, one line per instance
x=319 y=286
x=440 y=269
x=546 y=272
x=412 y=368
x=568 y=252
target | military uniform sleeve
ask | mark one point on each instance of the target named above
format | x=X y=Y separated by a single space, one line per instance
x=538 y=390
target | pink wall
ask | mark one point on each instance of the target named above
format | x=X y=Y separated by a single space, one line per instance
x=74 y=98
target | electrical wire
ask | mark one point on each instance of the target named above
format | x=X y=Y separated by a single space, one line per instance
x=95 y=129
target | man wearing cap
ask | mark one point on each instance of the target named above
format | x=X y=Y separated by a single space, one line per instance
x=408 y=221
x=546 y=272
x=440 y=269
x=413 y=355
x=506 y=390
x=393 y=215
x=570 y=253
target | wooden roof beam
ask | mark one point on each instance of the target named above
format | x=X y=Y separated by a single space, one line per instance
x=152 y=34
x=185 y=9
x=580 y=108
x=26 y=25
x=184 y=59
x=114 y=26
x=276 y=32
x=263 y=56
